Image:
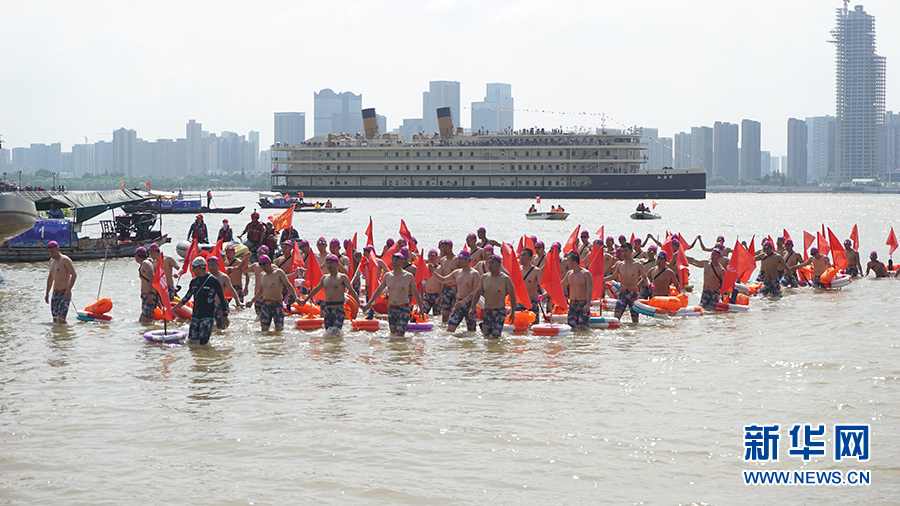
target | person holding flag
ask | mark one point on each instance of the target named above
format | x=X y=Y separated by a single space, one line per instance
x=334 y=283
x=431 y=292
x=630 y=275
x=149 y=297
x=820 y=264
x=773 y=268
x=581 y=287
x=854 y=268
x=207 y=293
x=170 y=265
x=532 y=276
x=791 y=259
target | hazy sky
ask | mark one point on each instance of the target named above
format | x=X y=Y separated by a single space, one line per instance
x=74 y=69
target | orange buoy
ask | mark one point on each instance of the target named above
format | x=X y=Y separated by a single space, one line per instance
x=101 y=306
x=310 y=323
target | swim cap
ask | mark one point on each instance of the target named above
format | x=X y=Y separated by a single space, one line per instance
x=332 y=258
x=334 y=242
x=873 y=254
x=448 y=242
x=622 y=238
x=401 y=241
x=813 y=251
x=609 y=238
x=321 y=240
x=539 y=244
x=263 y=249
x=652 y=247
x=389 y=242
x=489 y=248
x=347 y=243
x=662 y=255
x=288 y=243
x=303 y=243
x=471 y=236
x=264 y=259
x=721 y=238
x=432 y=252
x=368 y=248
x=464 y=254
x=585 y=233
x=717 y=251
x=637 y=241
x=398 y=255
x=598 y=241
x=766 y=244
x=788 y=242
x=212 y=260
x=405 y=252
x=153 y=247
x=199 y=262
x=779 y=239
x=482 y=230
x=230 y=247
x=556 y=245
x=847 y=241
x=496 y=257
x=618 y=250
x=676 y=241
x=52 y=244
x=140 y=251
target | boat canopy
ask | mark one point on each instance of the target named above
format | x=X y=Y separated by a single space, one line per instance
x=270 y=195
x=161 y=195
x=90 y=204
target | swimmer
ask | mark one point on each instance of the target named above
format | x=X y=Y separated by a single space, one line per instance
x=773 y=268
x=713 y=275
x=495 y=286
x=630 y=275
x=854 y=268
x=876 y=266
x=661 y=277
x=398 y=284
x=465 y=280
x=273 y=283
x=149 y=296
x=532 y=276
x=581 y=286
x=61 y=279
x=334 y=283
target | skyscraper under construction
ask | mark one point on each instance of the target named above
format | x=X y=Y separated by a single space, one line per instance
x=860 y=87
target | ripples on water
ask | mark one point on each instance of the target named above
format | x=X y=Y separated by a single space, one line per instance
x=652 y=414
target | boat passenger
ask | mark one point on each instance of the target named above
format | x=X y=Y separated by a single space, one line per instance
x=255 y=232
x=225 y=233
x=199 y=231
x=54 y=212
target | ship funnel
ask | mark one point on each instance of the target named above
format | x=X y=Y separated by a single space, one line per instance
x=370 y=123
x=445 y=122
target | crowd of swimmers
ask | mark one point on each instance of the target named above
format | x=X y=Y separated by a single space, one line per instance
x=455 y=284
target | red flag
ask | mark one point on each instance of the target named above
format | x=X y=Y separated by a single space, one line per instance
x=573 y=241
x=529 y=243
x=854 y=236
x=822 y=243
x=552 y=281
x=892 y=241
x=521 y=245
x=632 y=239
x=597 y=270
x=511 y=264
x=752 y=247
x=296 y=258
x=786 y=235
x=313 y=276
x=283 y=219
x=837 y=251
x=825 y=241
x=354 y=241
x=422 y=272
x=538 y=199
x=667 y=246
x=387 y=254
x=654 y=204
x=741 y=261
x=193 y=252
x=162 y=287
x=807 y=241
x=404 y=233
x=371 y=273
x=148 y=185
x=217 y=252
x=600 y=233
x=370 y=239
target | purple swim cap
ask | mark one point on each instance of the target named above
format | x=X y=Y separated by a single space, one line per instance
x=585 y=233
x=495 y=257
x=332 y=258
x=52 y=244
x=334 y=242
x=482 y=230
x=389 y=242
x=264 y=259
x=405 y=252
x=813 y=251
x=432 y=252
x=153 y=247
x=140 y=251
x=471 y=236
x=321 y=240
x=264 y=249
x=464 y=254
x=539 y=244
x=303 y=243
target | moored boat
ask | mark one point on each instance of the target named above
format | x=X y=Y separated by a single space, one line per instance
x=645 y=215
x=177 y=203
x=17 y=214
x=275 y=200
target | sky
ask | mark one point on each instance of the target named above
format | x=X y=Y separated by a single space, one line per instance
x=70 y=70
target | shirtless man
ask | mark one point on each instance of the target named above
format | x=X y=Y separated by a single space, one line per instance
x=449 y=264
x=322 y=254
x=271 y=287
x=532 y=276
x=770 y=265
x=584 y=249
x=334 y=247
x=820 y=264
x=540 y=256
x=581 y=286
x=713 y=274
x=431 y=295
x=398 y=284
x=854 y=267
x=630 y=276
x=221 y=315
x=257 y=276
x=334 y=283
x=495 y=286
x=661 y=277
x=149 y=297
x=61 y=278
x=791 y=259
x=876 y=266
x=466 y=281
x=238 y=271
x=483 y=240
x=170 y=266
x=610 y=245
x=475 y=251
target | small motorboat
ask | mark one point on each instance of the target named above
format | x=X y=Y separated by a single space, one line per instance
x=555 y=215
x=645 y=215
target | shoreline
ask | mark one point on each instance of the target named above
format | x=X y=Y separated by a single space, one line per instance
x=840 y=190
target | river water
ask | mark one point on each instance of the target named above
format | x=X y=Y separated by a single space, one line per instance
x=90 y=413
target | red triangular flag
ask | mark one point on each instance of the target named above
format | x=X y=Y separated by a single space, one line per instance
x=573 y=241
x=422 y=272
x=854 y=236
x=371 y=273
x=313 y=276
x=552 y=282
x=521 y=245
x=162 y=287
x=370 y=239
x=822 y=243
x=600 y=233
x=786 y=235
x=741 y=260
x=807 y=242
x=511 y=264
x=386 y=258
x=597 y=270
x=354 y=241
x=193 y=252
x=892 y=241
x=404 y=233
x=296 y=258
x=217 y=251
x=837 y=251
x=538 y=199
x=632 y=239
x=529 y=243
x=752 y=247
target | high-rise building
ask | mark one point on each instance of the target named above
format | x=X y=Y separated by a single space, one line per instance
x=440 y=94
x=796 y=148
x=702 y=149
x=82 y=159
x=410 y=127
x=776 y=165
x=820 y=148
x=124 y=151
x=765 y=163
x=725 y=150
x=195 y=161
x=682 y=148
x=892 y=145
x=495 y=114
x=334 y=113
x=659 y=152
x=751 y=152
x=290 y=127
x=860 y=88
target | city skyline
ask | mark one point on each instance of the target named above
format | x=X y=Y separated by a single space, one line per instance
x=77 y=69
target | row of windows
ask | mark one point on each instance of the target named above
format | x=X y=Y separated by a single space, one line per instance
x=471 y=154
x=471 y=167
